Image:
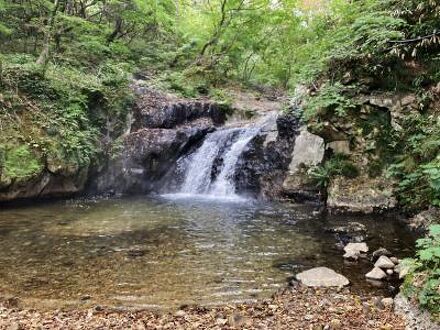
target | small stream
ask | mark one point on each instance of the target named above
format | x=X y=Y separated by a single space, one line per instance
x=163 y=252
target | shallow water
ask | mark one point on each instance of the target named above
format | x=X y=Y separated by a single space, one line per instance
x=162 y=252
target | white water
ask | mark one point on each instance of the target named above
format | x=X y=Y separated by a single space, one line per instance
x=198 y=173
x=224 y=185
x=225 y=146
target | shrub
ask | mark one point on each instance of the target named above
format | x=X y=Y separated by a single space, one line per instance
x=337 y=165
x=423 y=280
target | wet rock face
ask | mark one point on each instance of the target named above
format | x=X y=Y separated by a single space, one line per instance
x=182 y=113
x=263 y=166
x=147 y=156
x=164 y=128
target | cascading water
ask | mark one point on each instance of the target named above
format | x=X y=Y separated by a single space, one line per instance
x=198 y=173
x=224 y=185
x=210 y=170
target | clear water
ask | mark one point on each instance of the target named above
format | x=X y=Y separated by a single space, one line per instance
x=162 y=252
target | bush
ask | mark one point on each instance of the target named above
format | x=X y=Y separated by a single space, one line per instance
x=337 y=165
x=423 y=280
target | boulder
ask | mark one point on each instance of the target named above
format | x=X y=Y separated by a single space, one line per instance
x=360 y=195
x=402 y=270
x=339 y=147
x=387 y=302
x=308 y=151
x=352 y=232
x=354 y=250
x=380 y=252
x=376 y=274
x=384 y=263
x=322 y=277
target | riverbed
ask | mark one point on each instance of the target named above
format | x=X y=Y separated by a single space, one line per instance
x=163 y=252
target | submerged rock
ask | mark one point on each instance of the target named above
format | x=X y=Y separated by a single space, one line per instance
x=322 y=277
x=354 y=250
x=353 y=232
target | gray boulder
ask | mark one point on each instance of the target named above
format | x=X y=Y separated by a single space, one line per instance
x=322 y=277
x=384 y=263
x=376 y=274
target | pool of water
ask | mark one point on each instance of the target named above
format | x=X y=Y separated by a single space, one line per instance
x=163 y=252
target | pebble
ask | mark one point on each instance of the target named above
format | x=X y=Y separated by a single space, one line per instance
x=335 y=324
x=387 y=302
x=390 y=272
x=180 y=313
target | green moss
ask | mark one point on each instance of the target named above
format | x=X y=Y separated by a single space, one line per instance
x=20 y=162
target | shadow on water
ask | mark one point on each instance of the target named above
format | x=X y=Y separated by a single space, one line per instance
x=164 y=252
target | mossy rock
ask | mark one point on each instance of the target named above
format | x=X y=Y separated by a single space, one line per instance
x=18 y=163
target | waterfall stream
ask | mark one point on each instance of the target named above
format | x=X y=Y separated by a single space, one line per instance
x=210 y=170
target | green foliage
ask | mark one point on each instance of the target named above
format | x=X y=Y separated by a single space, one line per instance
x=337 y=165
x=329 y=100
x=19 y=162
x=418 y=167
x=423 y=279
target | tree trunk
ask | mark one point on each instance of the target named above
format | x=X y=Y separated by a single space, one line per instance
x=44 y=55
x=117 y=30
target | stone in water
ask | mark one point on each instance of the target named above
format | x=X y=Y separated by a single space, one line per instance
x=376 y=274
x=384 y=262
x=354 y=250
x=322 y=277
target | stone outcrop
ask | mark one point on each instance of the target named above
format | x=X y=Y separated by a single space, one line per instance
x=424 y=219
x=361 y=136
x=146 y=156
x=60 y=181
x=164 y=128
x=360 y=195
x=308 y=151
x=262 y=168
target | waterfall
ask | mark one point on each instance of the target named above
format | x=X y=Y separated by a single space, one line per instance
x=199 y=170
x=224 y=185
x=210 y=170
